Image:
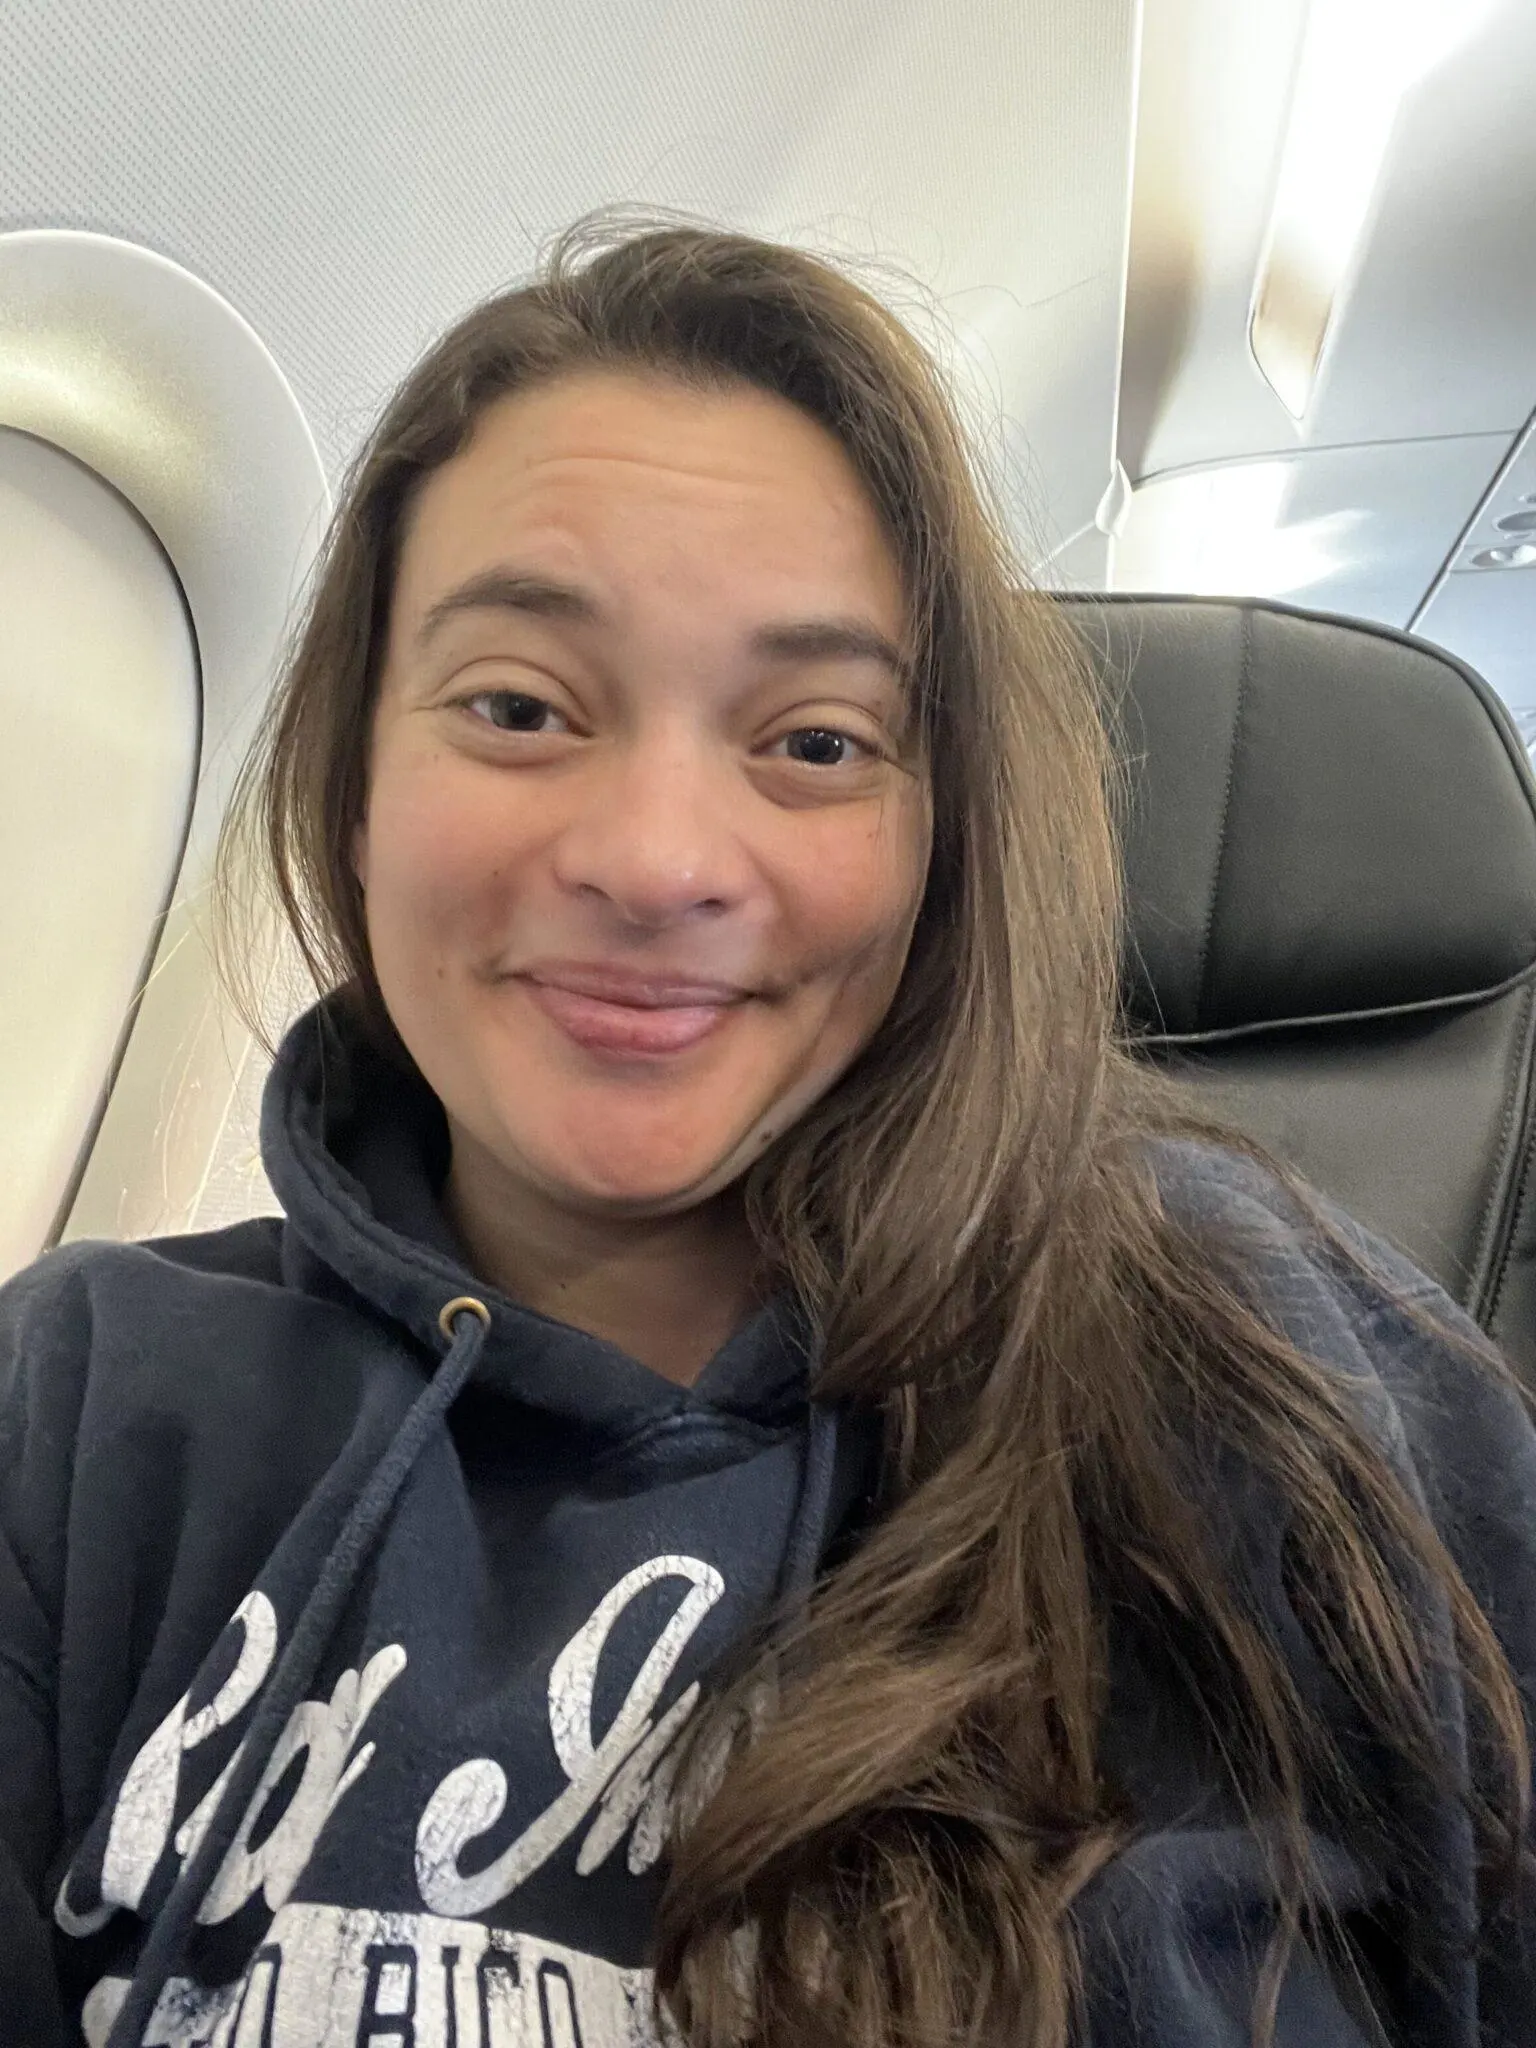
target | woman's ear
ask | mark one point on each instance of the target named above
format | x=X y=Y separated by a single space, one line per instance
x=360 y=855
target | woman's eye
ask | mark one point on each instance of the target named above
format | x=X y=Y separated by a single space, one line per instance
x=814 y=746
x=509 y=710
x=824 y=740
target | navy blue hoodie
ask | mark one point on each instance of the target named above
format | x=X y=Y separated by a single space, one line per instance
x=346 y=1634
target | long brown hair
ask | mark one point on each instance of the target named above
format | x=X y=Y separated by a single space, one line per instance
x=892 y=1854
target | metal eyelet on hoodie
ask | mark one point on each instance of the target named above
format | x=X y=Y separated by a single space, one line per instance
x=461 y=1304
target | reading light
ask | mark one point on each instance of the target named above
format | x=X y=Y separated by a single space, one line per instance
x=1358 y=60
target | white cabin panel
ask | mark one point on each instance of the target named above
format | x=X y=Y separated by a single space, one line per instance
x=99 y=707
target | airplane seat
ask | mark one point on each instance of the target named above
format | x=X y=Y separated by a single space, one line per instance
x=1330 y=851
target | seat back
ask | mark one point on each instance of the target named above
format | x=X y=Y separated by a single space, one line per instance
x=1330 y=849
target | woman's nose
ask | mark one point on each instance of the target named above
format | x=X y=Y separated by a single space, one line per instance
x=657 y=831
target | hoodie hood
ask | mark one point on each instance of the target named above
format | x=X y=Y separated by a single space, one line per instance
x=356 y=1148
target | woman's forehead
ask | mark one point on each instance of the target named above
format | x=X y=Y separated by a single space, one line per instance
x=589 y=477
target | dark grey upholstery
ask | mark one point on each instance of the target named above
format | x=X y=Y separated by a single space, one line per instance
x=1331 y=870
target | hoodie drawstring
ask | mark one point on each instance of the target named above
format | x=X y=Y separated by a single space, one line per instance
x=464 y=1321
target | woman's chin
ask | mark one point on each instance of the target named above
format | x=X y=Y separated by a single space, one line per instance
x=589 y=1170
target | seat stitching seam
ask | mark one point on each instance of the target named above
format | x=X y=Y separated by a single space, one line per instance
x=1226 y=808
x=1517 y=1085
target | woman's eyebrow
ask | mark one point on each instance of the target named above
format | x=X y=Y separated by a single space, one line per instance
x=824 y=639
x=511 y=590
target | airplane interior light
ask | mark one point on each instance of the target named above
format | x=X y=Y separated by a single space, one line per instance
x=1358 y=60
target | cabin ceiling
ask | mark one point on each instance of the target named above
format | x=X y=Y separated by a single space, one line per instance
x=1063 y=176
x=353 y=176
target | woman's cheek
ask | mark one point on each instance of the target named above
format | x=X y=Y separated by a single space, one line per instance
x=439 y=850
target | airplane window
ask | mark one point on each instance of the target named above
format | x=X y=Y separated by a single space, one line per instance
x=99 y=704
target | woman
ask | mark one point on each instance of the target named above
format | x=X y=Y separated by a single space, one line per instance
x=773 y=1483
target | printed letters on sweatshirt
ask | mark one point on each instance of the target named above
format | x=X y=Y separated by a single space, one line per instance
x=329 y=1974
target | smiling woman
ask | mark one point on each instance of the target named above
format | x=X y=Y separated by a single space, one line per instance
x=851 y=1510
x=650 y=829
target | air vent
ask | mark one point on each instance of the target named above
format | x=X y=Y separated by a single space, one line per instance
x=1520 y=557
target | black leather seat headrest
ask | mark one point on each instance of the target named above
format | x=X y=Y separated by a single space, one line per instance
x=1327 y=819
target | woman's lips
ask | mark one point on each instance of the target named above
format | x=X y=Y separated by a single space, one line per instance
x=622 y=1028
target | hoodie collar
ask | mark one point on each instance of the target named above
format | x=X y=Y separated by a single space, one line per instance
x=356 y=1147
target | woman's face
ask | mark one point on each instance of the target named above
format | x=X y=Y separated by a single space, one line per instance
x=634 y=716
